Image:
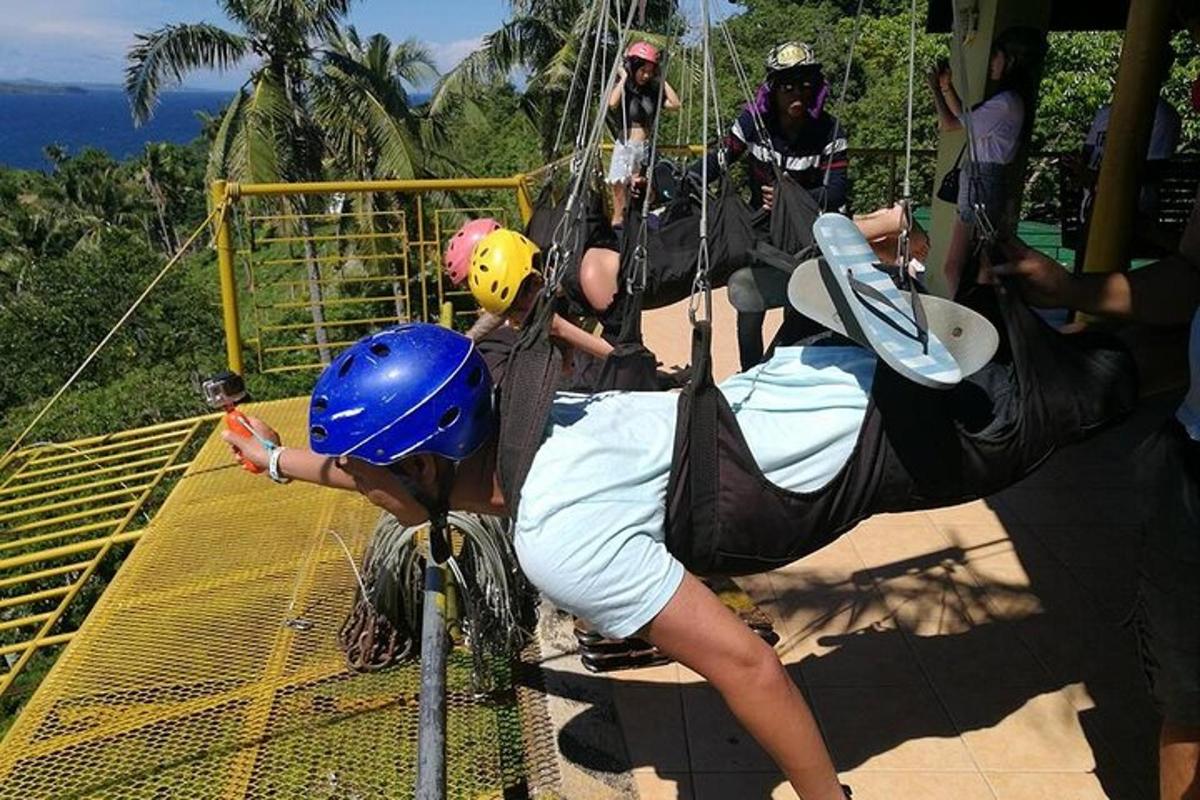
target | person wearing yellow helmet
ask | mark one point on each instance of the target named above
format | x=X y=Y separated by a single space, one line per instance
x=504 y=279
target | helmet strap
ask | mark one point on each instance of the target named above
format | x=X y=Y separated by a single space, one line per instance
x=436 y=505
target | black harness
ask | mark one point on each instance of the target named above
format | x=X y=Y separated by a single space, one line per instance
x=918 y=448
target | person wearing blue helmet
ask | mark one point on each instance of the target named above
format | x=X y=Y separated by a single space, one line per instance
x=406 y=418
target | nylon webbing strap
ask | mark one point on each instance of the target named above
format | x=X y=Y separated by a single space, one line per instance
x=526 y=395
x=703 y=472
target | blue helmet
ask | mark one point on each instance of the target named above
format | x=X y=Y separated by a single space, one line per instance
x=414 y=388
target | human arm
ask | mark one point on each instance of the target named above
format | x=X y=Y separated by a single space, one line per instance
x=614 y=97
x=295 y=463
x=578 y=338
x=380 y=485
x=670 y=98
x=945 y=99
x=734 y=146
x=1163 y=293
x=485 y=324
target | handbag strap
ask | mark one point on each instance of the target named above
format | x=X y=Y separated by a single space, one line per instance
x=958 y=160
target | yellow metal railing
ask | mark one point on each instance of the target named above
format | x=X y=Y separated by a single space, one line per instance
x=324 y=263
x=210 y=668
x=63 y=507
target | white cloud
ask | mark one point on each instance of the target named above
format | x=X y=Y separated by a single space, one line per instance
x=446 y=55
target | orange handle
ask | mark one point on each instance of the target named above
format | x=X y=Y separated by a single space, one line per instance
x=236 y=422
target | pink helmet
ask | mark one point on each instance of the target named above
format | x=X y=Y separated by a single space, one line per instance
x=458 y=252
x=643 y=50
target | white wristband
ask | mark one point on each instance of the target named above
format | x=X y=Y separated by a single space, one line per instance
x=273 y=466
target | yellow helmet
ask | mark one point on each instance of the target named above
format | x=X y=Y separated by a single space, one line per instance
x=499 y=263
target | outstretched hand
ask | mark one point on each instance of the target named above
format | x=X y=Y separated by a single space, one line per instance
x=247 y=449
x=1043 y=281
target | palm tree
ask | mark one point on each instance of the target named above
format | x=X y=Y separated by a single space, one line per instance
x=546 y=39
x=159 y=173
x=267 y=133
x=360 y=97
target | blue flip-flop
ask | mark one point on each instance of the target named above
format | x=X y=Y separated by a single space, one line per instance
x=875 y=313
x=969 y=336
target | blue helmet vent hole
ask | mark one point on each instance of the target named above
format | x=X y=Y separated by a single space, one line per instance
x=320 y=403
x=449 y=418
x=474 y=377
x=317 y=433
x=380 y=349
x=345 y=367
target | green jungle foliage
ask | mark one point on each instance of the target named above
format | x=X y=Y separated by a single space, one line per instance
x=80 y=242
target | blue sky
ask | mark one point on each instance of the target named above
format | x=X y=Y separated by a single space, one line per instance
x=86 y=40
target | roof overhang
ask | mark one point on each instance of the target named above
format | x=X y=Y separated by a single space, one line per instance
x=1065 y=15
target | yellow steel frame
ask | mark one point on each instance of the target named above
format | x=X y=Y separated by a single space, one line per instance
x=63 y=507
x=188 y=678
x=275 y=337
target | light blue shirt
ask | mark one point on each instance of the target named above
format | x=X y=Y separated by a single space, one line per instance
x=591 y=528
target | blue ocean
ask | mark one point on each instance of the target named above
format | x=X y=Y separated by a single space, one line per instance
x=96 y=118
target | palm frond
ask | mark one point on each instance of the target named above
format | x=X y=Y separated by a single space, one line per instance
x=498 y=54
x=163 y=57
x=412 y=62
x=360 y=115
x=222 y=144
x=262 y=142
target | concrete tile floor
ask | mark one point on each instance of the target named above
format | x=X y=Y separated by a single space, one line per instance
x=972 y=652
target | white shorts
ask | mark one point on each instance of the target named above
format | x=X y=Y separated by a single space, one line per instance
x=627 y=160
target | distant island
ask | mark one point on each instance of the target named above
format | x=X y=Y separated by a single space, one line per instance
x=39 y=87
x=33 y=86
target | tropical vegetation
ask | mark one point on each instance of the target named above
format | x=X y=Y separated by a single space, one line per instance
x=324 y=101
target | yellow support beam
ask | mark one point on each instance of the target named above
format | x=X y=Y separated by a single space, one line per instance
x=49 y=641
x=1110 y=234
x=229 y=299
x=238 y=190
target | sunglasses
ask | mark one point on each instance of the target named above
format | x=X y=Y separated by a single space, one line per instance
x=794 y=86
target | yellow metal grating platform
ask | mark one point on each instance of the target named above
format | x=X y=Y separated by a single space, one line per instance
x=185 y=681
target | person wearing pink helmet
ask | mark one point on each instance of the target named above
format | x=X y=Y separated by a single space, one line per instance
x=457 y=259
x=457 y=262
x=633 y=105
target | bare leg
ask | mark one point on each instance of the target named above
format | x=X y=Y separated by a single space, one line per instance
x=956 y=255
x=1179 y=763
x=598 y=270
x=879 y=223
x=698 y=631
x=618 y=210
x=882 y=229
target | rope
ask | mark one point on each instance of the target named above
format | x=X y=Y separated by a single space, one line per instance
x=299 y=622
x=700 y=283
x=904 y=241
x=562 y=122
x=739 y=71
x=638 y=282
x=987 y=231
x=837 y=123
x=579 y=169
x=218 y=214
